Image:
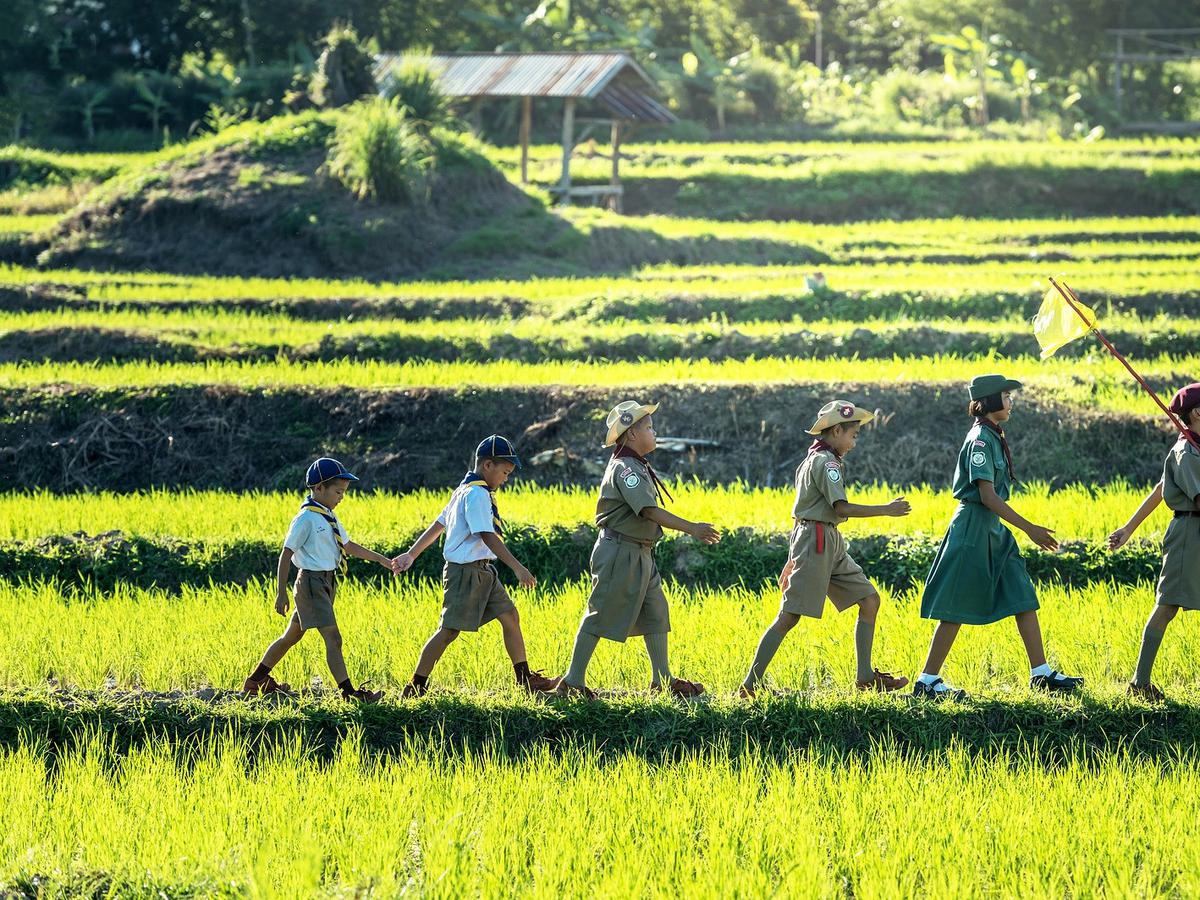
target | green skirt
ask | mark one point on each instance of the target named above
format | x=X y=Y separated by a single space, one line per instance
x=978 y=575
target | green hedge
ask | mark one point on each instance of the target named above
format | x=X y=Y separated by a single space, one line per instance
x=556 y=555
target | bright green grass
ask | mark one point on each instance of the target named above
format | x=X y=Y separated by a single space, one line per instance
x=1098 y=382
x=220 y=328
x=564 y=295
x=561 y=824
x=214 y=635
x=1078 y=512
x=10 y=225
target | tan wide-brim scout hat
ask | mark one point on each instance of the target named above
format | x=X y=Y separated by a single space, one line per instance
x=839 y=412
x=622 y=416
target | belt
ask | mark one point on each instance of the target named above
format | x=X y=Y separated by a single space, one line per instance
x=607 y=534
x=477 y=563
x=819 y=529
x=1184 y=513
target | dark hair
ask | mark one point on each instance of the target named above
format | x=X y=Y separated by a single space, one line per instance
x=984 y=405
x=1186 y=413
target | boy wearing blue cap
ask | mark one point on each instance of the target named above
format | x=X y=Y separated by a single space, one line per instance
x=472 y=592
x=317 y=543
x=1179 y=581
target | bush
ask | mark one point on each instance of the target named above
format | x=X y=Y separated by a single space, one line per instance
x=378 y=153
x=770 y=86
x=412 y=83
x=344 y=70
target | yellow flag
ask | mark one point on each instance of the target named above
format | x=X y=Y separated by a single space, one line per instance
x=1057 y=324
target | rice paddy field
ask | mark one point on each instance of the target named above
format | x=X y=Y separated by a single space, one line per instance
x=155 y=425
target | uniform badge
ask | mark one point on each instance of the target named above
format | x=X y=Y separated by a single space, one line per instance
x=980 y=444
x=977 y=458
x=834 y=474
x=632 y=481
x=846 y=411
x=626 y=418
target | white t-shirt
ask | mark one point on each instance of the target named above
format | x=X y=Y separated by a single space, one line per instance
x=466 y=517
x=311 y=540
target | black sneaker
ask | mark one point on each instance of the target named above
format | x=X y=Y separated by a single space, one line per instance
x=1055 y=683
x=923 y=691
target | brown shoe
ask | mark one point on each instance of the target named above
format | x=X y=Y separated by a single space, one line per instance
x=268 y=685
x=745 y=693
x=680 y=687
x=883 y=682
x=362 y=694
x=539 y=683
x=412 y=689
x=566 y=689
x=1147 y=692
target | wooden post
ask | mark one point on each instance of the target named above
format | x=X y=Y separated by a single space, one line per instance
x=614 y=202
x=526 y=122
x=568 y=146
x=1117 y=80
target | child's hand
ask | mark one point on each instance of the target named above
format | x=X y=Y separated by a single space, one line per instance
x=704 y=532
x=390 y=565
x=402 y=563
x=1043 y=537
x=786 y=574
x=524 y=576
x=1119 y=537
x=281 y=602
x=899 y=507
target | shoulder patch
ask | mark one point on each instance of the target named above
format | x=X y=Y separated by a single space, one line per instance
x=632 y=480
x=979 y=444
x=832 y=465
x=834 y=474
x=977 y=458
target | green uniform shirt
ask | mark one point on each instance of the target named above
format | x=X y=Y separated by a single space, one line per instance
x=625 y=491
x=1181 y=477
x=820 y=483
x=981 y=459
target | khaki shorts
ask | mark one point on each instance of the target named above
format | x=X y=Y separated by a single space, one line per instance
x=473 y=595
x=627 y=597
x=314 y=599
x=1179 y=581
x=832 y=574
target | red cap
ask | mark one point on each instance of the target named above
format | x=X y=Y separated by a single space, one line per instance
x=1185 y=398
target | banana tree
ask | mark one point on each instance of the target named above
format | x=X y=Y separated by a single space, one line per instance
x=713 y=76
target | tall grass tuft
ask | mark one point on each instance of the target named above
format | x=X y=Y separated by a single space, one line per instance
x=378 y=153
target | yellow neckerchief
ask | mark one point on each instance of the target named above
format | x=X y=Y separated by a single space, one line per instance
x=327 y=514
x=473 y=479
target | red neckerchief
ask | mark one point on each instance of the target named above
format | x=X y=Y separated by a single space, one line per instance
x=818 y=445
x=623 y=452
x=988 y=423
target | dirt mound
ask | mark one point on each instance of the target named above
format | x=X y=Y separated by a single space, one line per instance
x=253 y=208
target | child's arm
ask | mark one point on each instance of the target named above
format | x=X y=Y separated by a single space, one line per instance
x=701 y=531
x=848 y=510
x=363 y=553
x=1039 y=534
x=496 y=544
x=1149 y=505
x=404 y=561
x=282 y=570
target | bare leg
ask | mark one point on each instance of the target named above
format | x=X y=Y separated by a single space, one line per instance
x=1031 y=633
x=514 y=641
x=282 y=644
x=333 y=653
x=433 y=650
x=939 y=647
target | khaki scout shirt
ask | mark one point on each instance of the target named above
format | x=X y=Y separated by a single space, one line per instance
x=820 y=483
x=1181 y=477
x=625 y=491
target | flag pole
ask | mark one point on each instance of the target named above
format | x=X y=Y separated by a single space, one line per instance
x=1069 y=295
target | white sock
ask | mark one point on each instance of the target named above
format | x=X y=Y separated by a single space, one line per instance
x=926 y=678
x=1043 y=669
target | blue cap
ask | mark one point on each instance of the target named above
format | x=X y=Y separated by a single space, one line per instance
x=326 y=469
x=497 y=446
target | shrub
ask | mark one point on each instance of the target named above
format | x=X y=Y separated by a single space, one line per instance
x=344 y=70
x=413 y=84
x=378 y=153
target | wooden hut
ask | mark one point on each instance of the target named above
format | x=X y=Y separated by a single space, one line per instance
x=611 y=82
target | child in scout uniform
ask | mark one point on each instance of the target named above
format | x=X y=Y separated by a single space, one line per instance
x=627 y=597
x=473 y=594
x=317 y=543
x=818 y=563
x=1179 y=581
x=978 y=576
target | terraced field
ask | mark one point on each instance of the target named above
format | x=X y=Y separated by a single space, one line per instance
x=155 y=427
